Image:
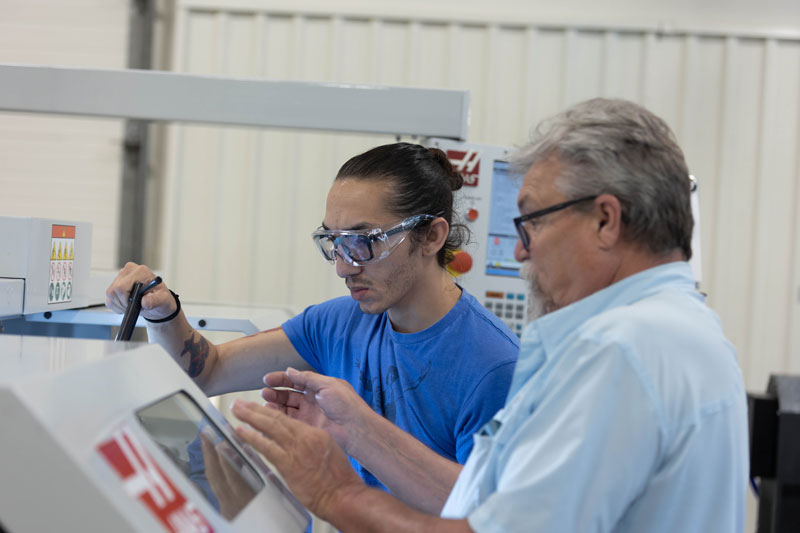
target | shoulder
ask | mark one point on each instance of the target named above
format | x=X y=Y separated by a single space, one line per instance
x=664 y=321
x=674 y=345
x=482 y=327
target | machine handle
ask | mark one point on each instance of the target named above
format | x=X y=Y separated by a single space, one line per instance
x=134 y=308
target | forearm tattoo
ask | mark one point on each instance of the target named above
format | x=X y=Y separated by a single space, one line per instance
x=198 y=353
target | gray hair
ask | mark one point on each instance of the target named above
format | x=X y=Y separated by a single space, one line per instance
x=620 y=148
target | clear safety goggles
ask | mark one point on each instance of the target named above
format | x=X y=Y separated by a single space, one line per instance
x=365 y=246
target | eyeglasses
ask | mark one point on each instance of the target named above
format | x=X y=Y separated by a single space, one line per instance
x=362 y=247
x=519 y=222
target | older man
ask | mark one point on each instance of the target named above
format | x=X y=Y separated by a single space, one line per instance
x=627 y=408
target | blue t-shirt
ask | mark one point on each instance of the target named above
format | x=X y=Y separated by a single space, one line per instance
x=440 y=384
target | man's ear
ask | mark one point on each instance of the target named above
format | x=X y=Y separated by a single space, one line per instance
x=608 y=220
x=438 y=231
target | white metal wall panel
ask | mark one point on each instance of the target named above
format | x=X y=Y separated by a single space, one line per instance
x=59 y=167
x=245 y=201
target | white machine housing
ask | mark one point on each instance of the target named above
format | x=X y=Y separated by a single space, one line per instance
x=27 y=259
x=63 y=399
x=487 y=204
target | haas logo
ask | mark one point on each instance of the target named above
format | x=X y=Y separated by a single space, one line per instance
x=468 y=163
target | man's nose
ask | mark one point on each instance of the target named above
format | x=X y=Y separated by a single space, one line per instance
x=345 y=269
x=520 y=253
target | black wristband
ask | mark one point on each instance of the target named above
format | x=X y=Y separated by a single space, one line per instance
x=170 y=317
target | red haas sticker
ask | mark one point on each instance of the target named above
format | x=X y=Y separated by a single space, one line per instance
x=468 y=163
x=144 y=480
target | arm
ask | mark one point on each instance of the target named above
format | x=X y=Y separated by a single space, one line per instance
x=318 y=473
x=217 y=369
x=411 y=470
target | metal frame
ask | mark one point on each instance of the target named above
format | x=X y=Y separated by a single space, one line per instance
x=169 y=96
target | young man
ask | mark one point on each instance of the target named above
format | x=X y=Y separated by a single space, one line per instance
x=627 y=409
x=420 y=350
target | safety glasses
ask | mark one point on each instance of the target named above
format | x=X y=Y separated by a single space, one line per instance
x=363 y=247
x=519 y=222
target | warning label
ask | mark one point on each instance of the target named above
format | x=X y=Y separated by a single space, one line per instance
x=144 y=480
x=62 y=257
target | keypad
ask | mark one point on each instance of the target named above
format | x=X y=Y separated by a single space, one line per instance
x=509 y=307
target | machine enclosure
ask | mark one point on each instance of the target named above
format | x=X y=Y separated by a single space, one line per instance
x=61 y=398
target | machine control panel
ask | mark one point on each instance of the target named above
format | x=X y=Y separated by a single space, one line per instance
x=487 y=205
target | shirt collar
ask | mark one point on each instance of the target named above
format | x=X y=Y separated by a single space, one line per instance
x=541 y=336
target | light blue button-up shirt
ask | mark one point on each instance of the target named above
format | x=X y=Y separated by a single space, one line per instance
x=627 y=412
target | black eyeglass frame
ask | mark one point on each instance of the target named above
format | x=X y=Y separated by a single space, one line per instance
x=520 y=220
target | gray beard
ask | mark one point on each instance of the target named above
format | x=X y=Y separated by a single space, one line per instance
x=539 y=304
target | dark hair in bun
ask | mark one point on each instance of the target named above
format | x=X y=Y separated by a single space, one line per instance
x=422 y=182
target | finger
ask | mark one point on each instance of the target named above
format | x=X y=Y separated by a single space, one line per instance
x=308 y=380
x=277 y=379
x=158 y=297
x=270 y=422
x=118 y=292
x=274 y=399
x=283 y=399
x=270 y=449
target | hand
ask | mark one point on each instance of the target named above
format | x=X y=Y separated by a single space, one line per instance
x=157 y=303
x=232 y=492
x=329 y=403
x=314 y=467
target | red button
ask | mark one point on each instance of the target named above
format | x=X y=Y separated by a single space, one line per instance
x=472 y=215
x=461 y=263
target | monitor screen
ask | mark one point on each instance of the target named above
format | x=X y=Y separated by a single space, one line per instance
x=202 y=452
x=502 y=236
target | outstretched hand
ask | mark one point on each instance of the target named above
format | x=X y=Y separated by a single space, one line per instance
x=314 y=467
x=329 y=403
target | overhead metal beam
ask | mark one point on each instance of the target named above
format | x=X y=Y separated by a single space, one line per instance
x=169 y=96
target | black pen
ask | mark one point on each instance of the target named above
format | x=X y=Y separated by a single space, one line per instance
x=150 y=285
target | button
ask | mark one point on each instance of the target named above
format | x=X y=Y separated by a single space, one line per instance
x=520 y=296
x=488 y=305
x=472 y=215
x=520 y=307
x=510 y=296
x=461 y=263
x=494 y=294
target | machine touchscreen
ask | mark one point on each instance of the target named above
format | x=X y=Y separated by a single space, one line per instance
x=502 y=236
x=202 y=452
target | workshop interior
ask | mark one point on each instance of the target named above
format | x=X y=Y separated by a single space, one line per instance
x=201 y=138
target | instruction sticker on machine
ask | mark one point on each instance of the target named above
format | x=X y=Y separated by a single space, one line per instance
x=62 y=257
x=145 y=481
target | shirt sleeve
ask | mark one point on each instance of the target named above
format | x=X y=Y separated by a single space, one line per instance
x=485 y=400
x=303 y=331
x=576 y=456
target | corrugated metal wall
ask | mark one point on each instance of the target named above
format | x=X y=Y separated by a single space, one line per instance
x=66 y=168
x=241 y=203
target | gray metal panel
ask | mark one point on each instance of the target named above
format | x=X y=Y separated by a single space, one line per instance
x=190 y=98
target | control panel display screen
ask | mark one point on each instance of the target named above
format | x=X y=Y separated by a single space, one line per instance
x=202 y=452
x=502 y=235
